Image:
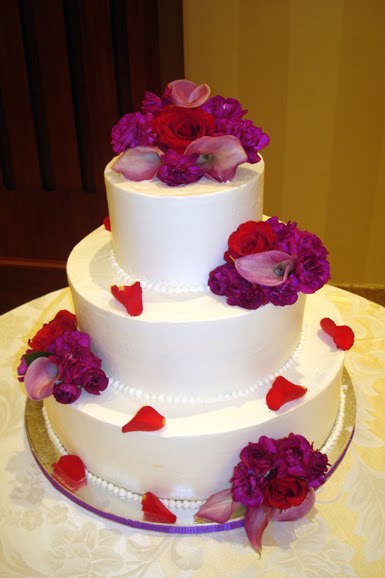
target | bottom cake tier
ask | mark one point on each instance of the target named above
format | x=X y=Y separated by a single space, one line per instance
x=193 y=456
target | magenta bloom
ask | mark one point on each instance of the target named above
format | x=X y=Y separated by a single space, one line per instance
x=179 y=169
x=221 y=107
x=285 y=294
x=317 y=469
x=94 y=381
x=252 y=138
x=225 y=280
x=260 y=457
x=247 y=487
x=295 y=453
x=66 y=392
x=132 y=129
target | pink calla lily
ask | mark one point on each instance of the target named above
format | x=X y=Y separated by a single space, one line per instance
x=187 y=94
x=256 y=520
x=138 y=164
x=40 y=378
x=269 y=268
x=218 y=508
x=223 y=155
x=295 y=512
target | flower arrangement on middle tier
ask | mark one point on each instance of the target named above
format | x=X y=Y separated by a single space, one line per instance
x=270 y=262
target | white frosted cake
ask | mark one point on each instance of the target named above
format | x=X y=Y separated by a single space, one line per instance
x=230 y=303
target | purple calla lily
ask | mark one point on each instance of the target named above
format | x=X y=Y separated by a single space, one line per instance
x=256 y=521
x=187 y=94
x=138 y=164
x=220 y=155
x=40 y=378
x=270 y=268
x=218 y=508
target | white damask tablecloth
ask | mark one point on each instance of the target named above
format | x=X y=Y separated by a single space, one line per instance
x=45 y=535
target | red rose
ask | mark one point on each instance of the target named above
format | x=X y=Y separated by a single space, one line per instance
x=285 y=493
x=250 y=238
x=64 y=321
x=177 y=126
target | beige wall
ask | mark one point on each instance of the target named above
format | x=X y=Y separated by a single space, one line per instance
x=312 y=74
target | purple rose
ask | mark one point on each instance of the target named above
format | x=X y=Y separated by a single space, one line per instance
x=179 y=169
x=221 y=107
x=132 y=129
x=295 y=454
x=66 y=392
x=94 y=381
x=260 y=457
x=247 y=488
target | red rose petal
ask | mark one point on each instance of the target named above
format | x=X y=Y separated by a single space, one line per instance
x=155 y=511
x=70 y=472
x=130 y=296
x=146 y=419
x=282 y=391
x=328 y=326
x=107 y=223
x=344 y=337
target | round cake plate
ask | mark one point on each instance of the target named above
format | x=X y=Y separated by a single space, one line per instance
x=104 y=503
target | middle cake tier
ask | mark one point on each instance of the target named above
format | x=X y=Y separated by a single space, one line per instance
x=182 y=347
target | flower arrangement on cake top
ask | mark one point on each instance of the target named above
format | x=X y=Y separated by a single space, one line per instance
x=185 y=135
x=59 y=362
x=270 y=262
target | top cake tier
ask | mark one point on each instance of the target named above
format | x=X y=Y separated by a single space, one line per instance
x=172 y=237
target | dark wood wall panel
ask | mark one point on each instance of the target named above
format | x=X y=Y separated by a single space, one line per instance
x=69 y=70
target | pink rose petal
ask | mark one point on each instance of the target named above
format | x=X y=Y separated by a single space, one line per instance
x=256 y=520
x=295 y=512
x=218 y=508
x=138 y=164
x=187 y=94
x=269 y=268
x=225 y=153
x=40 y=378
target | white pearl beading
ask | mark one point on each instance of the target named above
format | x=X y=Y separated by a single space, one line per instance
x=113 y=488
x=186 y=504
x=178 y=399
x=167 y=288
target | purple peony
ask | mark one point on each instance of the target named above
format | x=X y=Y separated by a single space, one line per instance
x=247 y=487
x=66 y=392
x=252 y=138
x=295 y=453
x=132 y=129
x=220 y=107
x=317 y=469
x=179 y=169
x=287 y=235
x=260 y=457
x=94 y=381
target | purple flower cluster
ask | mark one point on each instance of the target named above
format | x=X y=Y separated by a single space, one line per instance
x=311 y=270
x=179 y=169
x=170 y=123
x=273 y=470
x=131 y=131
x=78 y=367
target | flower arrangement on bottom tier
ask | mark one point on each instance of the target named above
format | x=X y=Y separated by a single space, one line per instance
x=274 y=480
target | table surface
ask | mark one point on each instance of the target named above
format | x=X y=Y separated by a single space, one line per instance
x=43 y=534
